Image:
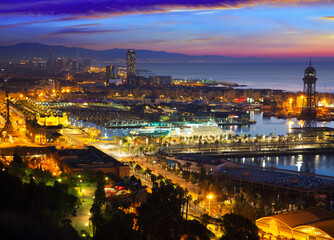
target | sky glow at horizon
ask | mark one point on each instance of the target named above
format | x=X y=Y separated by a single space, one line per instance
x=262 y=28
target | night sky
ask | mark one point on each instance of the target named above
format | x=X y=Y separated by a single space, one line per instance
x=199 y=27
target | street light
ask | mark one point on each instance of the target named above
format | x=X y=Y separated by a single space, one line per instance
x=83 y=195
x=209 y=197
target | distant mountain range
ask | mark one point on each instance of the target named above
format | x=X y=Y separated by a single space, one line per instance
x=33 y=50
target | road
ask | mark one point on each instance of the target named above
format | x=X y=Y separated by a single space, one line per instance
x=81 y=221
x=75 y=137
x=156 y=169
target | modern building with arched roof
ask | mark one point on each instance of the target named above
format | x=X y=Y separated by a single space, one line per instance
x=310 y=224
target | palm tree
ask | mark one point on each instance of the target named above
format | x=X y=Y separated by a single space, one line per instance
x=188 y=197
x=188 y=165
x=178 y=164
x=153 y=178
x=148 y=171
x=205 y=219
x=141 y=150
x=196 y=202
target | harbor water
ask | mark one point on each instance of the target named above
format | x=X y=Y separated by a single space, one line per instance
x=316 y=164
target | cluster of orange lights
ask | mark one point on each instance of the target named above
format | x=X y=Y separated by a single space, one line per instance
x=67 y=90
x=185 y=83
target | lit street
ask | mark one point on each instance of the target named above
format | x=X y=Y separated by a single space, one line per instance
x=192 y=189
x=81 y=221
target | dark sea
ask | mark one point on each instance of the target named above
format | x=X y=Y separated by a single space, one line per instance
x=272 y=75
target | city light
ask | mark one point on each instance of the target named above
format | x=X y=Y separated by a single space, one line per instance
x=210 y=196
x=199 y=119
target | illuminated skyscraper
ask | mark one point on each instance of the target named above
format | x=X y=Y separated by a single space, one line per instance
x=108 y=75
x=111 y=73
x=131 y=66
x=50 y=61
x=86 y=64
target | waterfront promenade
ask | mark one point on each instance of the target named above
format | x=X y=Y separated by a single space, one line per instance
x=253 y=149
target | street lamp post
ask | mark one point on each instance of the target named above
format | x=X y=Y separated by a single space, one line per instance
x=86 y=227
x=83 y=195
x=209 y=197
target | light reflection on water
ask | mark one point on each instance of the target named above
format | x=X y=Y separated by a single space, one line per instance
x=108 y=133
x=322 y=164
x=266 y=125
x=316 y=164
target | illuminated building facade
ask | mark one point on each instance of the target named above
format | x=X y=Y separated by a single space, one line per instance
x=162 y=80
x=131 y=67
x=108 y=74
x=88 y=159
x=111 y=73
x=8 y=128
x=312 y=224
x=52 y=120
x=43 y=134
x=86 y=64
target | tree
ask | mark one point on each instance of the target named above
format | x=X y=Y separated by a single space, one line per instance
x=242 y=206
x=17 y=167
x=141 y=150
x=138 y=168
x=41 y=175
x=237 y=227
x=118 y=225
x=160 y=217
x=193 y=229
x=205 y=219
x=188 y=165
x=100 y=198
x=100 y=195
x=17 y=159
x=97 y=219
x=148 y=171
x=46 y=203
x=153 y=178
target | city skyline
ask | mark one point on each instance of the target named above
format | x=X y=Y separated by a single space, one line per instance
x=227 y=28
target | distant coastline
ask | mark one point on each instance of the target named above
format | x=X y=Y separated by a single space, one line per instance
x=284 y=76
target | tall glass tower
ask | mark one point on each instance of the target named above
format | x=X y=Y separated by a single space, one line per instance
x=130 y=66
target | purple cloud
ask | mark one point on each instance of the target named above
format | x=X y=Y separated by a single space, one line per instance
x=47 y=21
x=75 y=30
x=86 y=25
x=104 y=8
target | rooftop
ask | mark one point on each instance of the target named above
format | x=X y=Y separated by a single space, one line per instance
x=315 y=221
x=304 y=217
x=278 y=177
x=89 y=156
